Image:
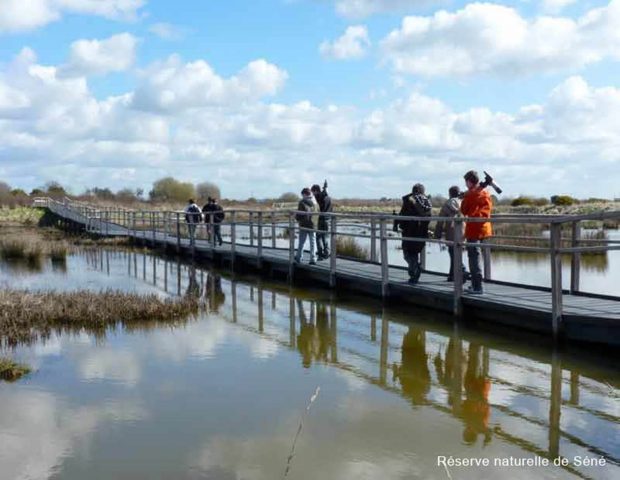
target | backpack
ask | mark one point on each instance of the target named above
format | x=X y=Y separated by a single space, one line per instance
x=194 y=214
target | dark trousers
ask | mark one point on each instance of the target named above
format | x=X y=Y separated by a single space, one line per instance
x=451 y=271
x=474 y=255
x=414 y=267
x=217 y=233
x=321 y=243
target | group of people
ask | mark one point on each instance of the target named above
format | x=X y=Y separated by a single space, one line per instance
x=475 y=202
x=314 y=201
x=213 y=215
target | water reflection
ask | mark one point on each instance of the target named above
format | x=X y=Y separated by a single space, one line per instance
x=404 y=373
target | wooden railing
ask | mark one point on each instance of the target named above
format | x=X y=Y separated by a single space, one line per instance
x=263 y=229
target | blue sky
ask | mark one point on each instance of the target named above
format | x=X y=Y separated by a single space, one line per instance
x=376 y=95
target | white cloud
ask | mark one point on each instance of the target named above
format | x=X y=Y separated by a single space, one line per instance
x=494 y=39
x=167 y=31
x=98 y=57
x=555 y=6
x=184 y=118
x=364 y=8
x=24 y=15
x=173 y=86
x=352 y=44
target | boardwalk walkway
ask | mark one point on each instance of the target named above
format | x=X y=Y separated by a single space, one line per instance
x=584 y=317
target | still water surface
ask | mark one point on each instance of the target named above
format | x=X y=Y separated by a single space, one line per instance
x=222 y=397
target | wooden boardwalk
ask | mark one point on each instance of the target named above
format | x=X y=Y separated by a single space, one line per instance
x=585 y=317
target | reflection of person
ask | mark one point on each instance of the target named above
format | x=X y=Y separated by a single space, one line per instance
x=323 y=331
x=476 y=409
x=193 y=288
x=214 y=294
x=415 y=204
x=477 y=204
x=307 y=338
x=414 y=374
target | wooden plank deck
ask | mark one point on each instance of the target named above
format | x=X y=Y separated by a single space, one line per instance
x=584 y=318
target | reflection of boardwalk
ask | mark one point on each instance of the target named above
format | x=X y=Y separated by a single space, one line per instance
x=436 y=370
x=584 y=317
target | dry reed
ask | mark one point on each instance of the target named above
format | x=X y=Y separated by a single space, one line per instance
x=12 y=371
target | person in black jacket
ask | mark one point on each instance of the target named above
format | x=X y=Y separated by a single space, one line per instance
x=325 y=206
x=214 y=216
x=415 y=204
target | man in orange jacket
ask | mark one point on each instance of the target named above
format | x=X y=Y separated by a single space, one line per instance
x=476 y=204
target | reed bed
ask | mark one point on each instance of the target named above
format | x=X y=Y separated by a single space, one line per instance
x=26 y=216
x=348 y=247
x=12 y=371
x=28 y=316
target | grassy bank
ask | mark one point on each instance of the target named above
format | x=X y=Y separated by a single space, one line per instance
x=25 y=216
x=27 y=316
x=12 y=371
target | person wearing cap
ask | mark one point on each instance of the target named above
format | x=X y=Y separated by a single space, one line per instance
x=307 y=210
x=445 y=228
x=325 y=206
x=476 y=203
x=415 y=204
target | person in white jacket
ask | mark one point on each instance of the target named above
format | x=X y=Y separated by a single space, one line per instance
x=193 y=217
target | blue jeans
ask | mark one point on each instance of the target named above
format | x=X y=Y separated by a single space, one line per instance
x=474 y=255
x=303 y=235
x=191 y=229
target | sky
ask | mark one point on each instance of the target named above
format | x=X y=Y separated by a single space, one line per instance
x=264 y=97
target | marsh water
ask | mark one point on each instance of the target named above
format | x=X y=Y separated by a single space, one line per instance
x=229 y=395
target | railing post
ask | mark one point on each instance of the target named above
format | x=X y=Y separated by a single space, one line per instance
x=144 y=226
x=423 y=257
x=251 y=225
x=153 y=226
x=575 y=264
x=107 y=223
x=332 y=243
x=373 y=239
x=385 y=267
x=457 y=267
x=259 y=261
x=233 y=238
x=291 y=246
x=212 y=229
x=178 y=232
x=486 y=258
x=273 y=229
x=556 y=278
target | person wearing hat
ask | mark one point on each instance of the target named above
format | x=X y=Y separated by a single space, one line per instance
x=415 y=204
x=476 y=203
x=445 y=228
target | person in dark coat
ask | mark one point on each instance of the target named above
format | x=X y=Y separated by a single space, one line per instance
x=214 y=216
x=415 y=204
x=325 y=206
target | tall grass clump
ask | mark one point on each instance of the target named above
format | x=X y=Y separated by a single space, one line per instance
x=27 y=316
x=348 y=247
x=11 y=371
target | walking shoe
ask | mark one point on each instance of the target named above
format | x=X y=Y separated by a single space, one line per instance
x=312 y=262
x=412 y=281
x=473 y=291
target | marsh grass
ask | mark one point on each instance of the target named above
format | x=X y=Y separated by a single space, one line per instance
x=25 y=216
x=29 y=316
x=12 y=371
x=348 y=247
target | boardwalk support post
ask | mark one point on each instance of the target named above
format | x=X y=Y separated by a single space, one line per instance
x=373 y=239
x=457 y=267
x=486 y=257
x=178 y=232
x=575 y=265
x=291 y=245
x=273 y=230
x=233 y=238
x=334 y=255
x=385 y=267
x=556 y=279
x=259 y=259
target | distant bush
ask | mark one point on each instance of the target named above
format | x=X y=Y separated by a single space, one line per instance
x=205 y=190
x=288 y=197
x=171 y=189
x=524 y=200
x=563 y=200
